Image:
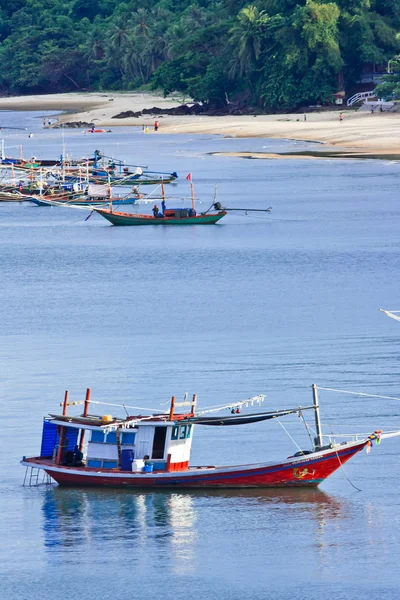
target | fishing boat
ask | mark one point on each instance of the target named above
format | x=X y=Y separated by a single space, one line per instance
x=171 y=216
x=127 y=177
x=175 y=217
x=37 y=163
x=54 y=199
x=153 y=451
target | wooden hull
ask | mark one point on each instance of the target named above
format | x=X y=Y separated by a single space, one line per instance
x=137 y=180
x=120 y=218
x=305 y=471
x=62 y=199
x=89 y=202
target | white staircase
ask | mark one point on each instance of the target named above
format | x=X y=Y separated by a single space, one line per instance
x=360 y=96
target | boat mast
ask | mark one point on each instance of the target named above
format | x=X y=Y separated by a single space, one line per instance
x=62 y=431
x=40 y=183
x=318 y=443
x=192 y=190
x=109 y=192
x=85 y=414
x=162 y=190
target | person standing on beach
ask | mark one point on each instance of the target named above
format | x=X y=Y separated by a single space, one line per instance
x=341 y=117
x=44 y=122
x=155 y=125
x=305 y=117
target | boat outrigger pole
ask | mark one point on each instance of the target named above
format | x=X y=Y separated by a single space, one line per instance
x=250 y=209
x=318 y=443
x=218 y=206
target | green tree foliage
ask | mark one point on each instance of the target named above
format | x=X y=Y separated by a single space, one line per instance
x=274 y=54
x=389 y=89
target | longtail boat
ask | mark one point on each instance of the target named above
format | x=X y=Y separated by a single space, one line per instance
x=127 y=178
x=37 y=163
x=124 y=218
x=171 y=216
x=54 y=199
x=153 y=451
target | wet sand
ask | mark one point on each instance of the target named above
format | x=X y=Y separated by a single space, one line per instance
x=360 y=134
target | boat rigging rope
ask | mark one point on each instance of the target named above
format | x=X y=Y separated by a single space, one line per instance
x=250 y=401
x=357 y=393
x=306 y=426
x=156 y=410
x=345 y=474
x=286 y=431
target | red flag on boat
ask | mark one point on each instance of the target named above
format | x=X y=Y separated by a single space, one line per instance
x=189 y=177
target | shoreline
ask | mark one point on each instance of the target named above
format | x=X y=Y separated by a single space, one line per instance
x=360 y=134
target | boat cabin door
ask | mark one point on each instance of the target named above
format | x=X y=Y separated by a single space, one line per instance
x=144 y=441
x=160 y=435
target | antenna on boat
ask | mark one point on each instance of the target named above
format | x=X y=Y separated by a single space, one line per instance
x=318 y=438
x=215 y=192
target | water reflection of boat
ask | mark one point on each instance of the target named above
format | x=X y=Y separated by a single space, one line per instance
x=73 y=518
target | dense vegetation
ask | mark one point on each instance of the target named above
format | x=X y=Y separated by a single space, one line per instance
x=270 y=53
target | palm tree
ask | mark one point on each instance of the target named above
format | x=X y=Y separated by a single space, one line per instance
x=119 y=42
x=246 y=39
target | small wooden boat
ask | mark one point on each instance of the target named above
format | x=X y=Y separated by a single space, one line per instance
x=54 y=199
x=124 y=218
x=35 y=163
x=80 y=200
x=154 y=451
x=171 y=216
x=13 y=196
x=128 y=178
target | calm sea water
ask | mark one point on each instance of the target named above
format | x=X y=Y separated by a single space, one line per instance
x=260 y=303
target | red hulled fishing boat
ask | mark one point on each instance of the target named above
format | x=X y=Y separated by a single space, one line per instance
x=154 y=451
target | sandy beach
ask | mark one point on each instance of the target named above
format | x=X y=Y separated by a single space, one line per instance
x=360 y=133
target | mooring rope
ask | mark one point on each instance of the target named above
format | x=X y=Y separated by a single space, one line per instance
x=358 y=393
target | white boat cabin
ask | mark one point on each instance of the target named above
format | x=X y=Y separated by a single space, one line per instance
x=154 y=443
x=163 y=446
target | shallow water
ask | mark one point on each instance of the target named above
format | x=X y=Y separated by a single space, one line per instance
x=260 y=303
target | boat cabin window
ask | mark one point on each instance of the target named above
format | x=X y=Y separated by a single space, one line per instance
x=111 y=438
x=97 y=436
x=181 y=433
x=128 y=437
x=159 y=442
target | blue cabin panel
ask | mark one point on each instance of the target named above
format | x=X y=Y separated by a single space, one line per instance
x=50 y=438
x=97 y=436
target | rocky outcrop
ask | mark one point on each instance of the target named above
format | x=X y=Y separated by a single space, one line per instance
x=73 y=125
x=187 y=110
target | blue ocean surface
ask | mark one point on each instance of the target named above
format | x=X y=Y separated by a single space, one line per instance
x=261 y=303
